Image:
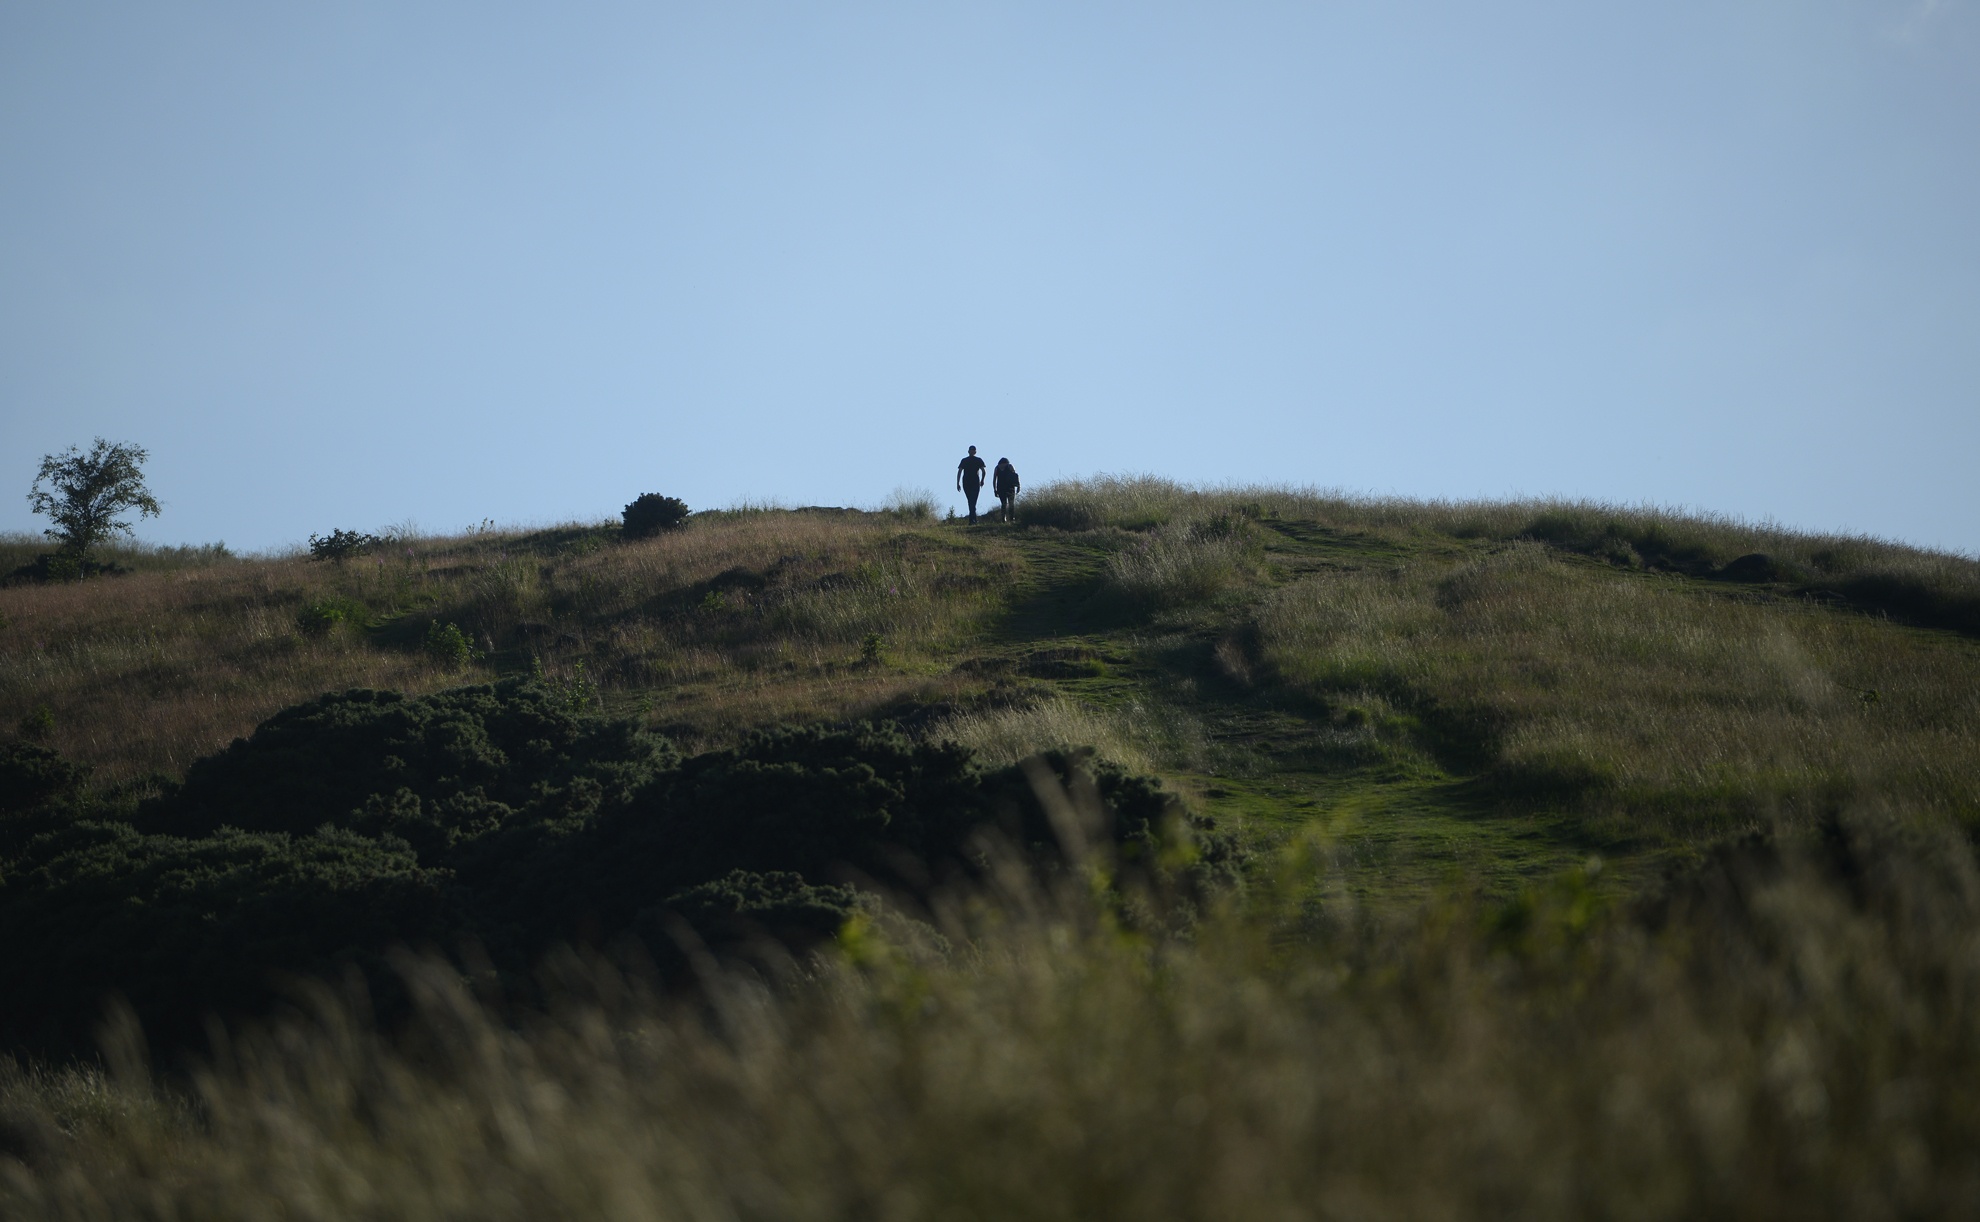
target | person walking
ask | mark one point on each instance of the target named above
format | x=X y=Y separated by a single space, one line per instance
x=969 y=478
x=1004 y=482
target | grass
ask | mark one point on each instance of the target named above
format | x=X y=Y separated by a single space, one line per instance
x=1790 y=1046
x=1932 y=588
x=1465 y=740
x=1646 y=705
x=735 y=621
x=1142 y=736
x=1184 y=561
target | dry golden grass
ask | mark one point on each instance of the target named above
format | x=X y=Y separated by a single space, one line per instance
x=147 y=672
x=737 y=620
x=1007 y=735
x=1661 y=699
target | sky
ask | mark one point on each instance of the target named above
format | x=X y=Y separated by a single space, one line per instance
x=377 y=264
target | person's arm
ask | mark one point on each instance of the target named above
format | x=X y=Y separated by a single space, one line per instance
x=959 y=468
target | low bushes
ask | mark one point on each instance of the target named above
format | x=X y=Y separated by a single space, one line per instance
x=365 y=820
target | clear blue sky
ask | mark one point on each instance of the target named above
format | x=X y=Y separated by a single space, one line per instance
x=345 y=265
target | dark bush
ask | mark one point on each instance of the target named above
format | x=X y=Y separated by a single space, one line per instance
x=33 y=776
x=741 y=906
x=341 y=545
x=438 y=770
x=64 y=566
x=358 y=821
x=39 y=791
x=182 y=928
x=652 y=513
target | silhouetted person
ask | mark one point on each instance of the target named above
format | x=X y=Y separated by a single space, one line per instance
x=969 y=478
x=1004 y=482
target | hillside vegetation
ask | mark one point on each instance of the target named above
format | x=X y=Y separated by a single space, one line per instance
x=1170 y=852
x=1489 y=687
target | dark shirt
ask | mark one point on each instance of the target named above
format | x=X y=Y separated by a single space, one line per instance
x=1006 y=479
x=972 y=471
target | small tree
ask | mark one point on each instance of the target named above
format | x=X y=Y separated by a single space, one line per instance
x=653 y=513
x=87 y=492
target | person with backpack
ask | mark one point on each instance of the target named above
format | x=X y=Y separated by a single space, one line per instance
x=1004 y=482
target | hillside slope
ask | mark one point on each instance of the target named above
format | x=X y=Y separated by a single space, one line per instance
x=1479 y=690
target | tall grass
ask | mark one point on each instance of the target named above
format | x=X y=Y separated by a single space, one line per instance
x=1140 y=736
x=1788 y=1042
x=1640 y=701
x=912 y=504
x=1183 y=561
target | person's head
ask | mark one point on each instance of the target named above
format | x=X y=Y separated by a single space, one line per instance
x=972 y=449
x=1003 y=462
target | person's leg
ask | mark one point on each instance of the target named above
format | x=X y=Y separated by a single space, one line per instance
x=970 y=491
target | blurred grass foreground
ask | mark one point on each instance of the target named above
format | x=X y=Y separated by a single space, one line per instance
x=1787 y=1030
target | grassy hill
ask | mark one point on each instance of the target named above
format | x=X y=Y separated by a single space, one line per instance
x=1491 y=690
x=1569 y=861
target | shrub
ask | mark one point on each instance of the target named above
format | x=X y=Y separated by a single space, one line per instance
x=492 y=813
x=437 y=770
x=653 y=513
x=341 y=545
x=448 y=646
x=31 y=776
x=321 y=617
x=181 y=927
x=742 y=905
